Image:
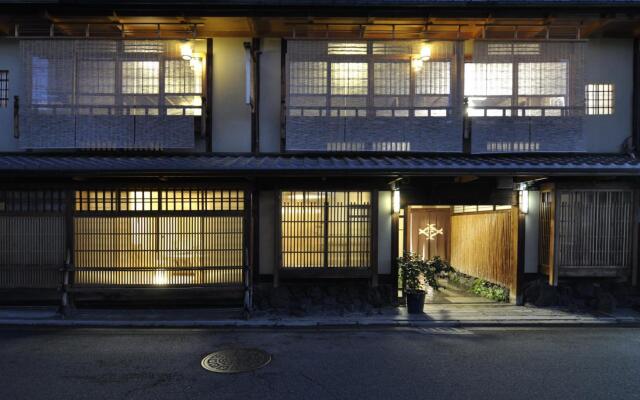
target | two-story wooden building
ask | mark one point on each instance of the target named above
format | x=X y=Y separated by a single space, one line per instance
x=196 y=150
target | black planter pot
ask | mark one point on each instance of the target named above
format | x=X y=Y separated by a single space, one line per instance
x=415 y=302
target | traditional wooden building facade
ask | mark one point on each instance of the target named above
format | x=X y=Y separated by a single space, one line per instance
x=194 y=151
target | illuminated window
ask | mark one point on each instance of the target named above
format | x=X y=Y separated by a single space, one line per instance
x=308 y=77
x=434 y=78
x=349 y=78
x=140 y=77
x=154 y=237
x=391 y=78
x=326 y=230
x=346 y=48
x=599 y=99
x=4 y=88
x=508 y=49
x=488 y=79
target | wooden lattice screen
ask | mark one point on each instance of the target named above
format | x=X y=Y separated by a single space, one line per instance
x=159 y=237
x=526 y=96
x=109 y=94
x=32 y=238
x=594 y=232
x=326 y=230
x=367 y=96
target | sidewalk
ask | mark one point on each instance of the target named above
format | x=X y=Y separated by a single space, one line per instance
x=436 y=315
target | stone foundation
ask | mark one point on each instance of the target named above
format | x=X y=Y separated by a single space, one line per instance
x=300 y=299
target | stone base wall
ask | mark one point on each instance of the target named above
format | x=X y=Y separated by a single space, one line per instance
x=300 y=299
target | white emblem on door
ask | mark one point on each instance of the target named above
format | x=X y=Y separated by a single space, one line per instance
x=431 y=231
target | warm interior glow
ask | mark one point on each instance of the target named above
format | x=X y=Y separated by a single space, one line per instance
x=396 y=201
x=186 y=51
x=425 y=52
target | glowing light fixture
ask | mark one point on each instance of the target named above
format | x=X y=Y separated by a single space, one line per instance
x=396 y=201
x=186 y=51
x=523 y=199
x=424 y=56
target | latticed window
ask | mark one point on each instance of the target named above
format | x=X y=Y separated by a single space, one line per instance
x=4 y=88
x=140 y=77
x=326 y=229
x=542 y=79
x=308 y=77
x=488 y=79
x=599 y=99
x=349 y=79
x=391 y=78
x=434 y=78
x=177 y=237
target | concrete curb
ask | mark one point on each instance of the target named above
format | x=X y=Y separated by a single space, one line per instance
x=311 y=324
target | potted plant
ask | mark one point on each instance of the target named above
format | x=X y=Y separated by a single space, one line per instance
x=418 y=274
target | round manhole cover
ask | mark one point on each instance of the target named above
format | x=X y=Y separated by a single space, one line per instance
x=231 y=361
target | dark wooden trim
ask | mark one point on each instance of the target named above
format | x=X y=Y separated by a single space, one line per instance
x=283 y=93
x=277 y=238
x=255 y=95
x=395 y=236
x=255 y=228
x=519 y=247
x=374 y=237
x=635 y=113
x=635 y=268
x=209 y=96
x=247 y=253
x=553 y=240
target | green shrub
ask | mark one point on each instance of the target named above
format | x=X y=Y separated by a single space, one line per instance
x=489 y=290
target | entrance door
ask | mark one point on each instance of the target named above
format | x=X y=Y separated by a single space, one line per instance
x=429 y=232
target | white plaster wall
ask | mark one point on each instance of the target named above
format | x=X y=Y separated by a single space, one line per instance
x=9 y=61
x=270 y=95
x=610 y=61
x=267 y=236
x=384 y=232
x=531 y=223
x=231 y=116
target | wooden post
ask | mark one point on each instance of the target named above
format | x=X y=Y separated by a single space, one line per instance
x=277 y=236
x=518 y=237
x=553 y=239
x=374 y=238
x=208 y=111
x=255 y=95
x=248 y=252
x=66 y=300
x=395 y=235
x=636 y=226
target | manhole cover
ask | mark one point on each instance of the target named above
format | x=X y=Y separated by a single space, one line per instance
x=231 y=361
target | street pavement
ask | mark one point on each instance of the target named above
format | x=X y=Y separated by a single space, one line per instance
x=400 y=363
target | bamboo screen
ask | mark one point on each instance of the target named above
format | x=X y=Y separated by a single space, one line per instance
x=326 y=230
x=482 y=246
x=371 y=96
x=526 y=96
x=32 y=238
x=166 y=237
x=110 y=93
x=594 y=232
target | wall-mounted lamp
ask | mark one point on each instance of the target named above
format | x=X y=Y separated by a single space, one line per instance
x=424 y=56
x=186 y=51
x=396 y=200
x=523 y=199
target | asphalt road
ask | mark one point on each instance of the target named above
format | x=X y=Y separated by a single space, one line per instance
x=386 y=364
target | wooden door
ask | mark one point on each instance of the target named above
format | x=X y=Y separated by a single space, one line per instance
x=429 y=232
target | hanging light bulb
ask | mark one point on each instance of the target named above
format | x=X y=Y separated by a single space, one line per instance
x=425 y=52
x=186 y=51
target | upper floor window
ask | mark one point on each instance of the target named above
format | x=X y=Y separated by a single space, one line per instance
x=110 y=77
x=4 y=88
x=365 y=79
x=599 y=98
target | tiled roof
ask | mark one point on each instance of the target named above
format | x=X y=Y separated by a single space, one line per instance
x=318 y=164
